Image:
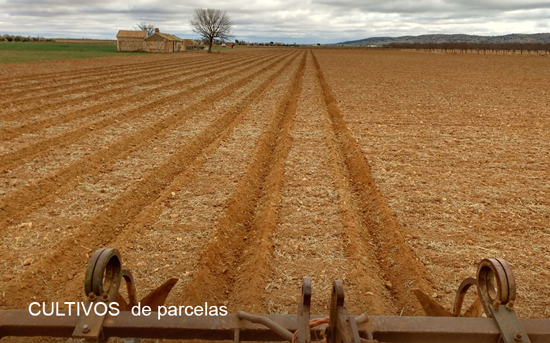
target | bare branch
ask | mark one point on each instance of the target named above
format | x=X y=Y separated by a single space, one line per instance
x=211 y=24
x=148 y=27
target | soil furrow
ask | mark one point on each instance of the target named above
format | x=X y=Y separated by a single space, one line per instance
x=27 y=127
x=305 y=225
x=19 y=113
x=115 y=219
x=53 y=91
x=76 y=79
x=29 y=80
x=295 y=213
x=11 y=133
x=95 y=193
x=11 y=160
x=221 y=258
x=462 y=179
x=374 y=145
x=20 y=202
x=255 y=265
x=395 y=258
x=196 y=196
x=72 y=83
x=88 y=71
x=370 y=290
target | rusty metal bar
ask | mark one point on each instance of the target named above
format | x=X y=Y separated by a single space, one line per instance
x=386 y=329
x=275 y=327
x=304 y=313
x=342 y=327
x=449 y=329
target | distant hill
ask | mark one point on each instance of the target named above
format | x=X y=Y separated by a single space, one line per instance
x=512 y=38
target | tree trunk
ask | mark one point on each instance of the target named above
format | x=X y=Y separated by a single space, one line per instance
x=210 y=46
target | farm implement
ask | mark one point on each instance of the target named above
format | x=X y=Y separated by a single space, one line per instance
x=494 y=284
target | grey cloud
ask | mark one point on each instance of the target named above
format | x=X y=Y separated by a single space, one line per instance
x=504 y=5
x=390 y=6
x=426 y=6
x=297 y=20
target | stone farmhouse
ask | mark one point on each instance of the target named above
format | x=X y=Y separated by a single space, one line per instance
x=130 y=40
x=157 y=42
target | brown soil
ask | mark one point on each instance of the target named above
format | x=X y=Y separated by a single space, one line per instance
x=459 y=147
x=241 y=173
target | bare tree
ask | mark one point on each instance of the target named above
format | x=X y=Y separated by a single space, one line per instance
x=211 y=24
x=149 y=28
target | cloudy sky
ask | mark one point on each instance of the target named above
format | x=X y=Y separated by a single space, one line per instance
x=300 y=21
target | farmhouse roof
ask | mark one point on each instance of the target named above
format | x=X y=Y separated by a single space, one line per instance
x=166 y=36
x=131 y=34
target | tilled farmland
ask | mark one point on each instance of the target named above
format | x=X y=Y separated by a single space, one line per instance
x=240 y=173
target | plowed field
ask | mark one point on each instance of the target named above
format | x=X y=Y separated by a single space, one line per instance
x=242 y=172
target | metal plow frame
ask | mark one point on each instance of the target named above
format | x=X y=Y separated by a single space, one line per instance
x=495 y=285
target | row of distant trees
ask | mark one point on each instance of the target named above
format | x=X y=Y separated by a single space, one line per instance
x=479 y=48
x=10 y=38
x=242 y=42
